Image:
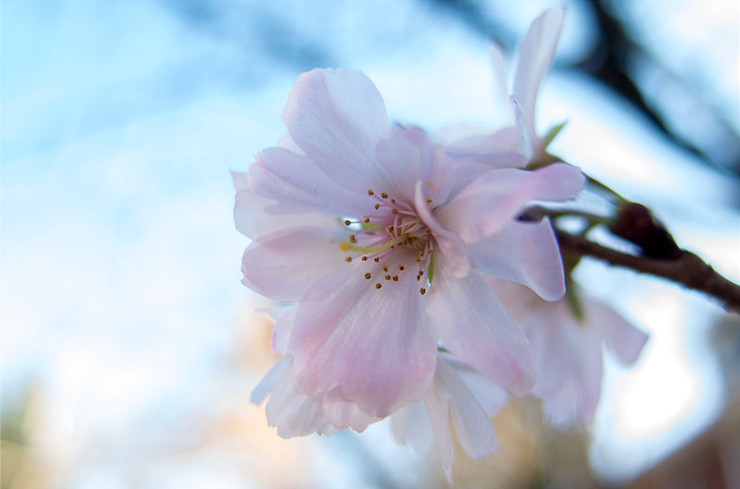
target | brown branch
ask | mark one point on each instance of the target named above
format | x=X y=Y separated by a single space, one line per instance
x=686 y=269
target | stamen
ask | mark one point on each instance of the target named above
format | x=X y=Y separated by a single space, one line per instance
x=369 y=249
x=347 y=222
x=370 y=191
x=384 y=195
x=377 y=206
x=378 y=285
x=348 y=259
x=423 y=291
x=368 y=275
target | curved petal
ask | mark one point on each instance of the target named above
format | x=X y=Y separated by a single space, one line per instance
x=270 y=381
x=472 y=424
x=556 y=348
x=293 y=414
x=475 y=327
x=438 y=410
x=526 y=253
x=337 y=117
x=342 y=414
x=492 y=200
x=503 y=143
x=285 y=264
x=535 y=57
x=252 y=221
x=411 y=426
x=299 y=186
x=372 y=345
x=620 y=337
x=449 y=245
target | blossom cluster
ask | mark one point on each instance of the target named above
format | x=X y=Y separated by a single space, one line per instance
x=415 y=286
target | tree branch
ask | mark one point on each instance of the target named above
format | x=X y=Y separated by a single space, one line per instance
x=686 y=269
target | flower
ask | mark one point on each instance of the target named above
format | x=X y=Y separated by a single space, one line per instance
x=384 y=239
x=568 y=346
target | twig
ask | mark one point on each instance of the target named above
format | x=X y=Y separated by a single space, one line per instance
x=686 y=269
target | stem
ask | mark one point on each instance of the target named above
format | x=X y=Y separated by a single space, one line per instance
x=686 y=269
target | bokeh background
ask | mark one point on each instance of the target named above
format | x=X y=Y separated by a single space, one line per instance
x=129 y=347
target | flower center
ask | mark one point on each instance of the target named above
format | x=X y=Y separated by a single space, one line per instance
x=391 y=241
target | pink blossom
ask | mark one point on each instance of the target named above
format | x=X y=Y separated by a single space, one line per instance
x=384 y=239
x=568 y=350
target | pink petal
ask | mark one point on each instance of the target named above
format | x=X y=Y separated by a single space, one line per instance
x=492 y=200
x=299 y=186
x=283 y=265
x=408 y=157
x=475 y=327
x=337 y=117
x=449 y=245
x=472 y=424
x=372 y=345
x=556 y=348
x=252 y=220
x=535 y=57
x=526 y=253
x=621 y=337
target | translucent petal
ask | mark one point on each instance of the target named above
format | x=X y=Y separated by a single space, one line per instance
x=526 y=253
x=535 y=57
x=472 y=424
x=299 y=186
x=372 y=344
x=475 y=327
x=337 y=118
x=492 y=200
x=283 y=265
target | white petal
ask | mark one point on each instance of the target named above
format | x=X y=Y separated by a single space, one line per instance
x=475 y=327
x=411 y=426
x=342 y=414
x=337 y=118
x=535 y=57
x=526 y=253
x=285 y=264
x=472 y=424
x=438 y=409
x=270 y=380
